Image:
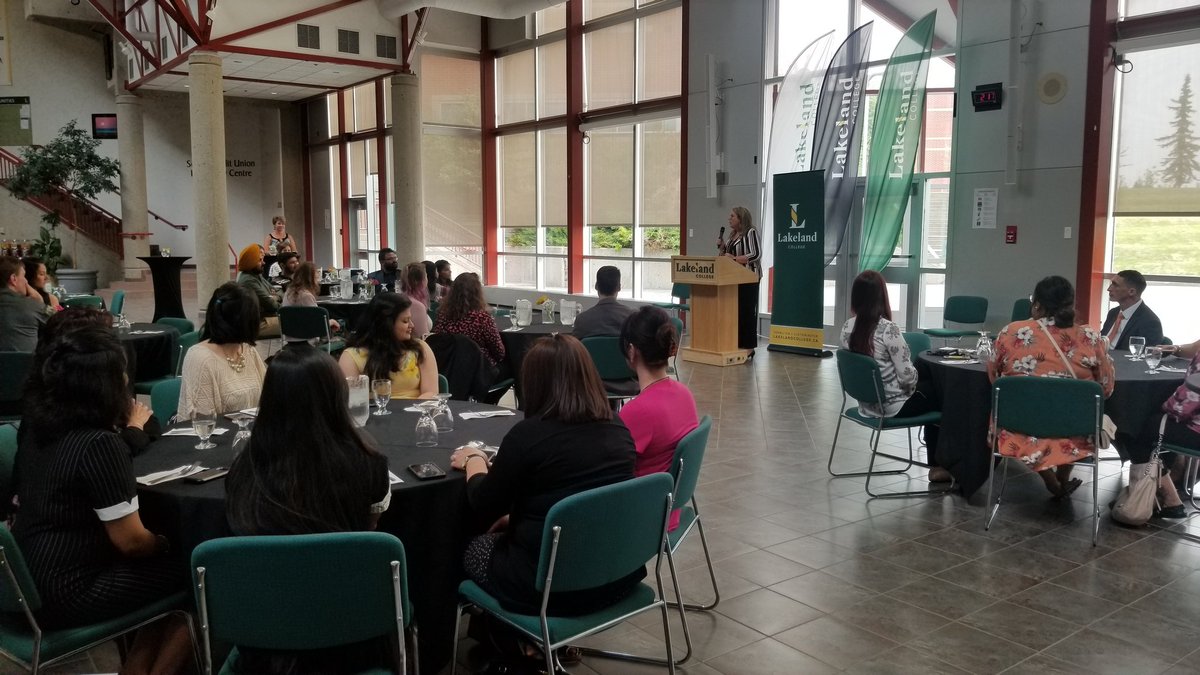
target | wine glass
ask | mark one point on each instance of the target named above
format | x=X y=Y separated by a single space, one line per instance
x=1137 y=346
x=427 y=431
x=243 y=425
x=383 y=393
x=1153 y=358
x=442 y=415
x=204 y=423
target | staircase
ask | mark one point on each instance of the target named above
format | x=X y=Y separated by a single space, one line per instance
x=93 y=220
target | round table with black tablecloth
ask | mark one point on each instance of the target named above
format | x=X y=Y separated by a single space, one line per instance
x=151 y=347
x=964 y=394
x=432 y=517
x=517 y=341
x=168 y=290
x=350 y=312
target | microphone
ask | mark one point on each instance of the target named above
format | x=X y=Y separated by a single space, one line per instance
x=721 y=235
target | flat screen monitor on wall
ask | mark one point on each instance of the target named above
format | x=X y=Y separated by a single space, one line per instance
x=104 y=125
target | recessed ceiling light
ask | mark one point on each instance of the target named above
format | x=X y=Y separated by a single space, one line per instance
x=274 y=93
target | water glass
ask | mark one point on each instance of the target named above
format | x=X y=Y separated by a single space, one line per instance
x=1153 y=358
x=383 y=393
x=1137 y=346
x=983 y=348
x=335 y=291
x=567 y=312
x=243 y=425
x=524 y=313
x=548 y=311
x=204 y=423
x=359 y=399
x=442 y=416
x=427 y=431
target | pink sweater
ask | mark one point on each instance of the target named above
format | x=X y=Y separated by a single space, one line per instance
x=657 y=419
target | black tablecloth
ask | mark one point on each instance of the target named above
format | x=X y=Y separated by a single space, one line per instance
x=168 y=294
x=349 y=311
x=517 y=343
x=430 y=517
x=964 y=394
x=151 y=352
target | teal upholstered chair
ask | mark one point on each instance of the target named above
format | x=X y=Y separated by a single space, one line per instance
x=862 y=381
x=918 y=343
x=684 y=293
x=309 y=323
x=179 y=324
x=118 y=303
x=443 y=384
x=34 y=648
x=93 y=301
x=14 y=370
x=8 y=459
x=961 y=309
x=620 y=382
x=590 y=539
x=1022 y=310
x=186 y=342
x=164 y=399
x=673 y=369
x=307 y=591
x=1046 y=407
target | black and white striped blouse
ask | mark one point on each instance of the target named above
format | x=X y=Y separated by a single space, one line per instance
x=747 y=245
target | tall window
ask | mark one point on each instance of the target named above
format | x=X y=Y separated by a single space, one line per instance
x=1156 y=196
x=627 y=132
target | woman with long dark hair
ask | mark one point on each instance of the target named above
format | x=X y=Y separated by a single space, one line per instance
x=386 y=349
x=745 y=249
x=224 y=372
x=79 y=525
x=465 y=312
x=37 y=277
x=567 y=443
x=870 y=331
x=1051 y=344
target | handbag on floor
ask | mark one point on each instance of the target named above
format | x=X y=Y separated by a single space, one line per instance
x=1108 y=428
x=1136 y=502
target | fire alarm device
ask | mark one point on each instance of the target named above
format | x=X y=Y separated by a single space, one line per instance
x=1010 y=234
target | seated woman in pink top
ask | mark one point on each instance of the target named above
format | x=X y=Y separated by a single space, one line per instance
x=665 y=411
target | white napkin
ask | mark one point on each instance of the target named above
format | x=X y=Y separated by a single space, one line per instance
x=170 y=474
x=482 y=414
x=393 y=479
x=188 y=431
x=145 y=332
x=513 y=329
x=1172 y=369
x=959 y=362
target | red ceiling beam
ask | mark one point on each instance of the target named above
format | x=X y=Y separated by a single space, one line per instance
x=161 y=70
x=182 y=15
x=282 y=21
x=119 y=26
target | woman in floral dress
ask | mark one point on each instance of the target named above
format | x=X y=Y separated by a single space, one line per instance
x=1024 y=348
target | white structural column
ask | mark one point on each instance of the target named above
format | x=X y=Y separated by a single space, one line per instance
x=406 y=168
x=207 y=102
x=272 y=172
x=131 y=145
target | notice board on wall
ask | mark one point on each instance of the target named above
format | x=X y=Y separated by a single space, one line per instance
x=16 y=124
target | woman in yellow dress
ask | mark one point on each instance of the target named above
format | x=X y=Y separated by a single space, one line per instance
x=386 y=349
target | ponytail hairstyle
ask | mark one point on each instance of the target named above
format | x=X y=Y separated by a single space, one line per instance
x=651 y=332
x=869 y=303
x=1055 y=297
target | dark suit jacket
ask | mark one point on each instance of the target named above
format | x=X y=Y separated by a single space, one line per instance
x=606 y=317
x=1144 y=322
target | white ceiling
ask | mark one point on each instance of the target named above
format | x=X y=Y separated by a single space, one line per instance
x=284 y=75
x=946 y=28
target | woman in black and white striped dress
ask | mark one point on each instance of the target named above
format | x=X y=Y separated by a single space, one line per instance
x=744 y=247
x=78 y=522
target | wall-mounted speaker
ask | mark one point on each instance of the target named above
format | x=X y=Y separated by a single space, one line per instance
x=1051 y=88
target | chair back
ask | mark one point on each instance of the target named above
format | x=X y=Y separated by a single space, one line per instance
x=604 y=534
x=14 y=561
x=84 y=301
x=8 y=459
x=689 y=455
x=860 y=376
x=180 y=324
x=118 y=303
x=461 y=361
x=164 y=399
x=304 y=591
x=965 y=309
x=1047 y=407
x=918 y=343
x=605 y=351
x=186 y=342
x=443 y=384
x=1022 y=310
x=304 y=323
x=14 y=370
x=678 y=323
x=681 y=291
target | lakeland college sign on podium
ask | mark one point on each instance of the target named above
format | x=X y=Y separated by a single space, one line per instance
x=714 y=302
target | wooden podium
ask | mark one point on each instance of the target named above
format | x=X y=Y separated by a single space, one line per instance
x=714 y=302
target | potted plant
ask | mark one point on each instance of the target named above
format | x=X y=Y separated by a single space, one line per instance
x=69 y=163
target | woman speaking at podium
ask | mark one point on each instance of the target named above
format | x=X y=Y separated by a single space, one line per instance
x=743 y=246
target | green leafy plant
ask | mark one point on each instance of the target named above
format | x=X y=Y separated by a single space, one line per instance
x=70 y=163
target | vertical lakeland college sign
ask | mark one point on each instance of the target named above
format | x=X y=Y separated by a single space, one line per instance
x=797 y=315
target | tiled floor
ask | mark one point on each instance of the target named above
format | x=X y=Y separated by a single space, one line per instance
x=815 y=578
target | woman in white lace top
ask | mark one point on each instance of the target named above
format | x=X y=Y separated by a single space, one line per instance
x=224 y=372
